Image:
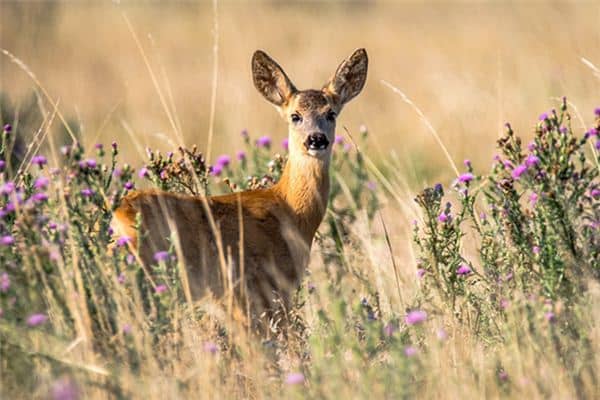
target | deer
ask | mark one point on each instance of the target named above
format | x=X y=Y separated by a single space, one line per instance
x=255 y=242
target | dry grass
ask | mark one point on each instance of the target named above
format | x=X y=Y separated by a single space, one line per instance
x=468 y=67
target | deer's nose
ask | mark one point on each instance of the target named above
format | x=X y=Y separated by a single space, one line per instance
x=316 y=141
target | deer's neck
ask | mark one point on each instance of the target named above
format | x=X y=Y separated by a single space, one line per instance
x=304 y=187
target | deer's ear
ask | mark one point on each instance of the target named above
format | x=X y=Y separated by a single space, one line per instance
x=270 y=79
x=350 y=77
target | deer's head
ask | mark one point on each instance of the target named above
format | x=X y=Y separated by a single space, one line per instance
x=311 y=114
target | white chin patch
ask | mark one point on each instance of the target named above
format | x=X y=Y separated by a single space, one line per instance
x=317 y=153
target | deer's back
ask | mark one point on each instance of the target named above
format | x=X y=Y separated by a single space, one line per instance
x=274 y=253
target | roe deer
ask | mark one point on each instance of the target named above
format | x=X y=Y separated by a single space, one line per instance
x=267 y=257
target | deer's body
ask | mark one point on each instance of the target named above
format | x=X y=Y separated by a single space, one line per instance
x=267 y=258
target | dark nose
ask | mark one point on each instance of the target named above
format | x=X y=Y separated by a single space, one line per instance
x=316 y=141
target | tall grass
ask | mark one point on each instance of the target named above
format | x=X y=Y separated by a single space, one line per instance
x=503 y=301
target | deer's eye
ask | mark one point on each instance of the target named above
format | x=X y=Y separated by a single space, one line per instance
x=296 y=118
x=331 y=116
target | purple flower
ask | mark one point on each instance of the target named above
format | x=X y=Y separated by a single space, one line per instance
x=161 y=256
x=285 y=143
x=504 y=304
x=550 y=316
x=415 y=317
x=263 y=141
x=442 y=334
x=371 y=186
x=503 y=375
x=41 y=182
x=128 y=185
x=7 y=128
x=6 y=240
x=591 y=132
x=121 y=278
x=160 y=289
x=216 y=170
x=533 y=199
x=114 y=146
x=597 y=145
x=123 y=240
x=443 y=217
x=143 y=172
x=65 y=389
x=467 y=163
x=241 y=155
x=223 y=160
x=389 y=329
x=39 y=197
x=535 y=250
x=91 y=163
x=294 y=378
x=543 y=116
x=126 y=329
x=7 y=188
x=211 y=347
x=244 y=133
x=87 y=192
x=596 y=111
x=2 y=165
x=595 y=193
x=36 y=319
x=463 y=270
x=518 y=171
x=410 y=351
x=421 y=273
x=466 y=177
x=4 y=282
x=531 y=160
x=39 y=161
x=99 y=146
x=339 y=139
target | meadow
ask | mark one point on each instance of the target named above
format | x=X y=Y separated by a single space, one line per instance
x=460 y=254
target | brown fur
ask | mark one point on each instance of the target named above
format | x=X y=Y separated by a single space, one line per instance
x=279 y=223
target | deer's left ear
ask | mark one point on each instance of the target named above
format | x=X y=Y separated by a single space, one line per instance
x=350 y=77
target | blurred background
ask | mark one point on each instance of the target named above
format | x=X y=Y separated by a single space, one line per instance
x=469 y=67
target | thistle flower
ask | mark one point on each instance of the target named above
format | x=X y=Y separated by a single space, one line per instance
x=161 y=256
x=6 y=240
x=533 y=199
x=7 y=188
x=531 y=160
x=389 y=329
x=223 y=160
x=36 y=319
x=535 y=250
x=123 y=240
x=339 y=139
x=421 y=273
x=65 y=389
x=41 y=183
x=263 y=141
x=550 y=316
x=294 y=378
x=415 y=317
x=441 y=334
x=128 y=185
x=466 y=177
x=410 y=351
x=285 y=143
x=463 y=270
x=40 y=161
x=4 y=282
x=216 y=170
x=143 y=172
x=7 y=128
x=244 y=133
x=39 y=197
x=371 y=185
x=2 y=165
x=518 y=171
x=126 y=329
x=241 y=155
x=160 y=289
x=87 y=192
x=543 y=116
x=443 y=217
x=211 y=347
x=597 y=111
x=121 y=278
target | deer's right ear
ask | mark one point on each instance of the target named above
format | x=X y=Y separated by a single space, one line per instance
x=270 y=80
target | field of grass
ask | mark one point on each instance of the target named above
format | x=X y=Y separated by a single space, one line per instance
x=486 y=286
